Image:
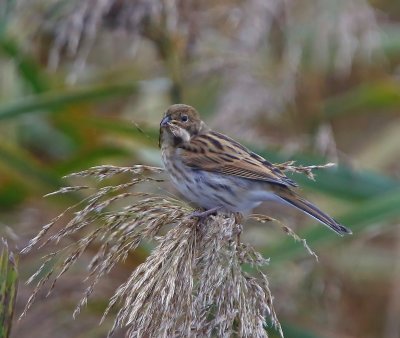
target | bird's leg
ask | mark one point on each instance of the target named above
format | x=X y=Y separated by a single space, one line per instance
x=202 y=215
x=238 y=220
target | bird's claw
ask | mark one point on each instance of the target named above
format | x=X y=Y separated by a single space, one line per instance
x=202 y=215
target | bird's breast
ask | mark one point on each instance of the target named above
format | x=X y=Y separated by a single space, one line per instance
x=209 y=189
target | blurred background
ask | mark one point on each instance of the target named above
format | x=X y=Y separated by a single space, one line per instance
x=85 y=82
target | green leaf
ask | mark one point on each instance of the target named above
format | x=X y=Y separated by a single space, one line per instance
x=53 y=101
x=367 y=98
x=8 y=289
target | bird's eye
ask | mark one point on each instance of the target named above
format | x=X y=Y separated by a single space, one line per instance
x=184 y=118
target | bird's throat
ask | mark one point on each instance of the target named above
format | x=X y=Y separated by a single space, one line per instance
x=177 y=140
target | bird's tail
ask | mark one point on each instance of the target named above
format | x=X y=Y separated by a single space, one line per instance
x=311 y=210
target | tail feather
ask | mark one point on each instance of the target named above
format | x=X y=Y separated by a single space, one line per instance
x=311 y=210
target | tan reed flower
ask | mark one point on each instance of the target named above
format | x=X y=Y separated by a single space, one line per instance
x=192 y=284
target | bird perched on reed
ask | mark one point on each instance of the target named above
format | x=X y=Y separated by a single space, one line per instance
x=217 y=173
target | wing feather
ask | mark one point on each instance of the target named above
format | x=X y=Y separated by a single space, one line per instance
x=218 y=153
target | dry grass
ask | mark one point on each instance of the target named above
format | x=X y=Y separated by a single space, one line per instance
x=266 y=43
x=192 y=284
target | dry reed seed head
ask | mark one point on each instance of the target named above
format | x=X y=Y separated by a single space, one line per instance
x=92 y=202
x=286 y=229
x=105 y=171
x=306 y=170
x=192 y=284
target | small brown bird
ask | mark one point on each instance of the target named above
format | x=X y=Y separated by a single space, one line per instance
x=217 y=173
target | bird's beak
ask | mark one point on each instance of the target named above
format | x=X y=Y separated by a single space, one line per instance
x=165 y=121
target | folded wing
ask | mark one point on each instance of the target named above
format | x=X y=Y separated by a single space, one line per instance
x=218 y=153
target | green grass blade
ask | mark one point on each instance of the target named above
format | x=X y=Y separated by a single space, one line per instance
x=20 y=165
x=8 y=289
x=29 y=70
x=52 y=101
x=91 y=158
x=347 y=184
x=145 y=135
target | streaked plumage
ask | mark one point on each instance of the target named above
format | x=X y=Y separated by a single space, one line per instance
x=212 y=170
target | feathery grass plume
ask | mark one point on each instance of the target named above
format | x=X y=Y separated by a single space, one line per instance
x=306 y=170
x=192 y=284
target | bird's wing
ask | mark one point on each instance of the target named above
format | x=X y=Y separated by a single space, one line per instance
x=218 y=153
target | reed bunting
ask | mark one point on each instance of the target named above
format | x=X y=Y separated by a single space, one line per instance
x=217 y=173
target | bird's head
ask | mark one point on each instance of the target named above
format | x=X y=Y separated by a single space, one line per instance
x=179 y=124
